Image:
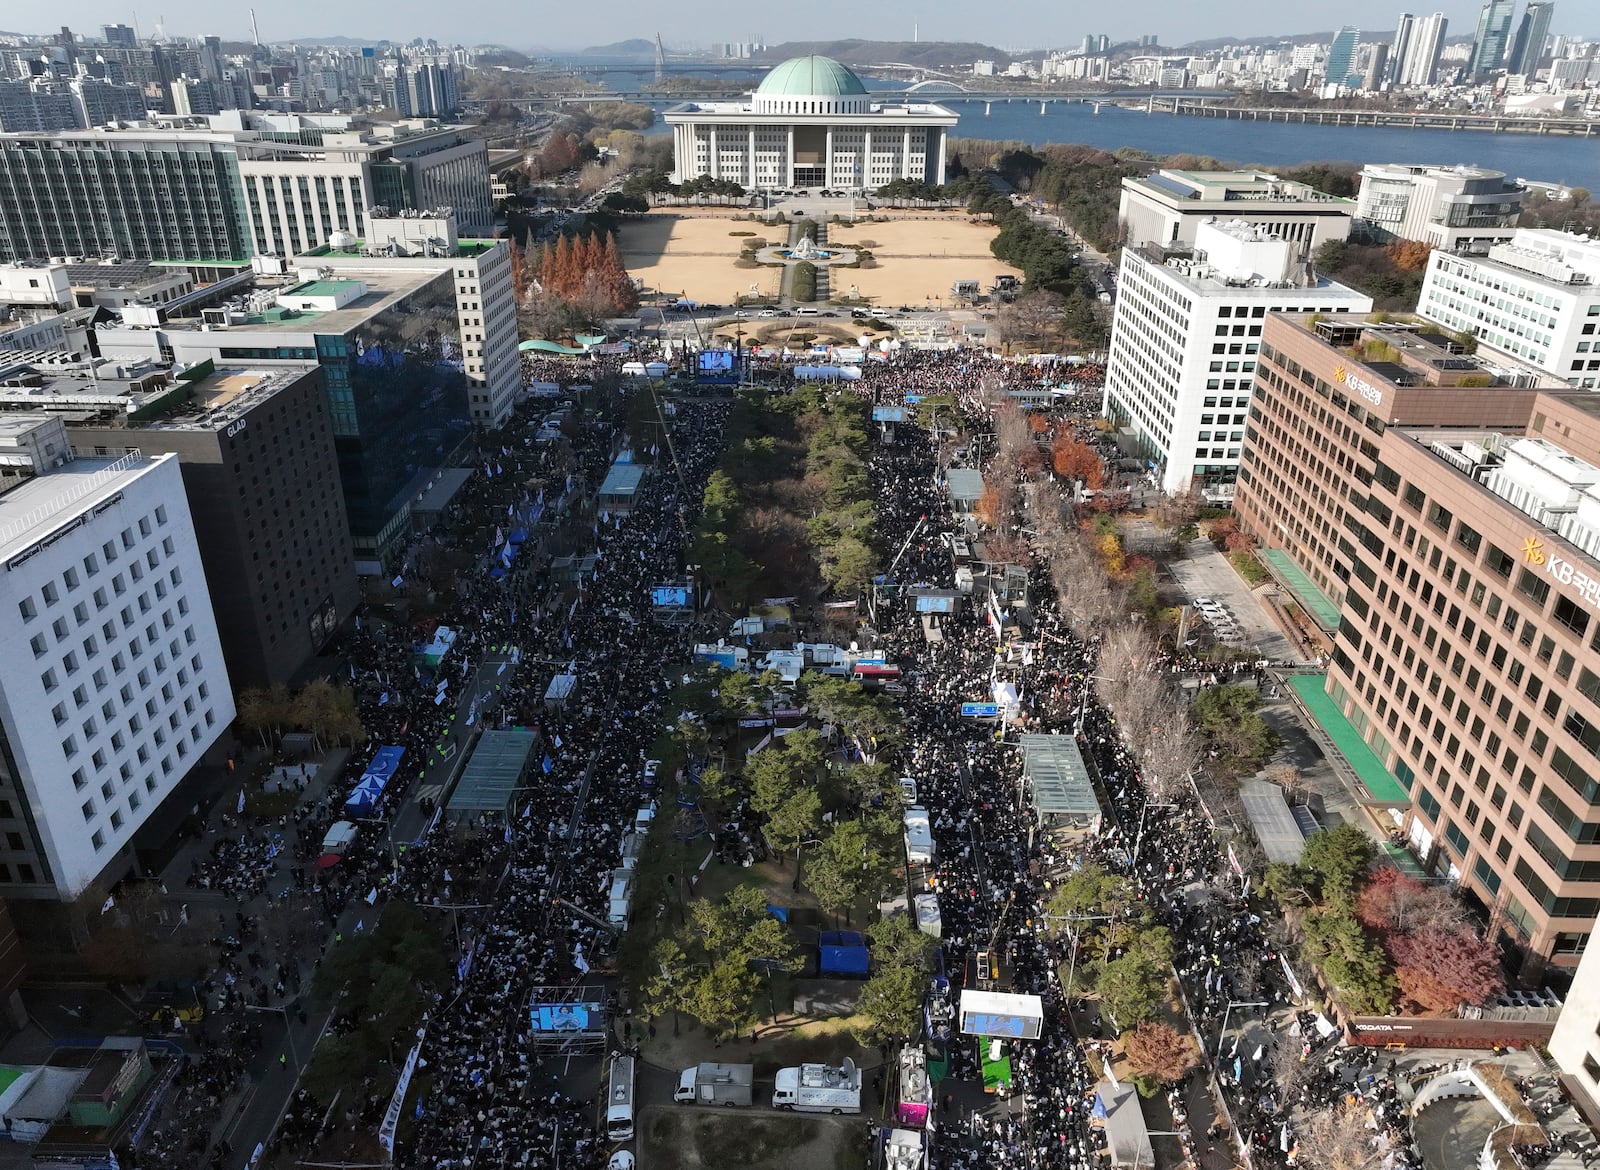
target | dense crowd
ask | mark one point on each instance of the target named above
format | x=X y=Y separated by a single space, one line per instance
x=487 y=1105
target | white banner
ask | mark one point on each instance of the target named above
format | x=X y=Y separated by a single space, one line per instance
x=391 y=1118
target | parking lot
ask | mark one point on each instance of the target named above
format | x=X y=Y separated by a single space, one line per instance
x=1205 y=572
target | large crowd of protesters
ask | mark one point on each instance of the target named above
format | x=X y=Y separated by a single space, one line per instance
x=489 y=1103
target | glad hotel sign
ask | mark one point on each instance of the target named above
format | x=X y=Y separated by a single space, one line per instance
x=1360 y=385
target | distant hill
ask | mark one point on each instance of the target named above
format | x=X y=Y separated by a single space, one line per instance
x=856 y=53
x=637 y=46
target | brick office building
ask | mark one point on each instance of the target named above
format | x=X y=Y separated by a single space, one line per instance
x=1457 y=531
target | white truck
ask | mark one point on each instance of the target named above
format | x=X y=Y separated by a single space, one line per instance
x=619 y=1101
x=715 y=1084
x=620 y=896
x=919 y=836
x=819 y=1088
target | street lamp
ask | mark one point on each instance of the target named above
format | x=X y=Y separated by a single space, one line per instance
x=288 y=1031
x=1222 y=1034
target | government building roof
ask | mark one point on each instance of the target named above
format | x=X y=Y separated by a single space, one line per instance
x=812 y=76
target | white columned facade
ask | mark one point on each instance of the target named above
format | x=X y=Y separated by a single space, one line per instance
x=820 y=94
x=938 y=159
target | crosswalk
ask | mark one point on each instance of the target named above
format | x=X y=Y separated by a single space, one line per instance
x=431 y=792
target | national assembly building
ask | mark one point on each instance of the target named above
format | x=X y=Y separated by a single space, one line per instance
x=810 y=123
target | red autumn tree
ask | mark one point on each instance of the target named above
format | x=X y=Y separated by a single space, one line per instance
x=1072 y=458
x=1444 y=969
x=1409 y=255
x=624 y=293
x=1160 y=1051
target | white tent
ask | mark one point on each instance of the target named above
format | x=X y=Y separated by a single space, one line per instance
x=30 y=1116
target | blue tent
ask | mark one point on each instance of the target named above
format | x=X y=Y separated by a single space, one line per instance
x=385 y=762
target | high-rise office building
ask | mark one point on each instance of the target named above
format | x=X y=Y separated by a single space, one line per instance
x=211 y=199
x=1527 y=48
x=154 y=195
x=1401 y=47
x=1445 y=508
x=1184 y=342
x=120 y=35
x=116 y=686
x=256 y=450
x=1575 y=1043
x=1490 y=41
x=1377 y=71
x=1342 y=56
x=1421 y=62
x=387 y=337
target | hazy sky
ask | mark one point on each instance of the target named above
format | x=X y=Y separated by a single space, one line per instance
x=518 y=23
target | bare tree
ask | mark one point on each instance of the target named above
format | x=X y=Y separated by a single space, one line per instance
x=1340 y=1137
x=1292 y=1072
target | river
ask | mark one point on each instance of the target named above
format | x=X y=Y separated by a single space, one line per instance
x=1547 y=158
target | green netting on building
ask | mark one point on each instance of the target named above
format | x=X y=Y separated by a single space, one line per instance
x=1316 y=602
x=1378 y=780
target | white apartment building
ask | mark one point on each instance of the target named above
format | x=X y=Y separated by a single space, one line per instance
x=115 y=687
x=1183 y=342
x=1168 y=207
x=1536 y=297
x=486 y=302
x=1459 y=209
x=1575 y=1043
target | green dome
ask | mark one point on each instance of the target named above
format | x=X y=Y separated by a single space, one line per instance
x=810 y=77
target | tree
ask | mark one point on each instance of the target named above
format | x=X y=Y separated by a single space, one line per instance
x=896 y=942
x=1132 y=988
x=1339 y=1137
x=837 y=871
x=666 y=983
x=1393 y=901
x=1288 y=884
x=1072 y=458
x=891 y=1004
x=1441 y=970
x=1349 y=960
x=891 y=1000
x=1032 y=319
x=723 y=997
x=741 y=927
x=1337 y=856
x=1235 y=735
x=383 y=979
x=1159 y=1051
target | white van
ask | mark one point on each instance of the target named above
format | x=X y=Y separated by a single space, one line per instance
x=619 y=1103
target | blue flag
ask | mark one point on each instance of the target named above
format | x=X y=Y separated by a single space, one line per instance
x=1099 y=1109
x=549 y=765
